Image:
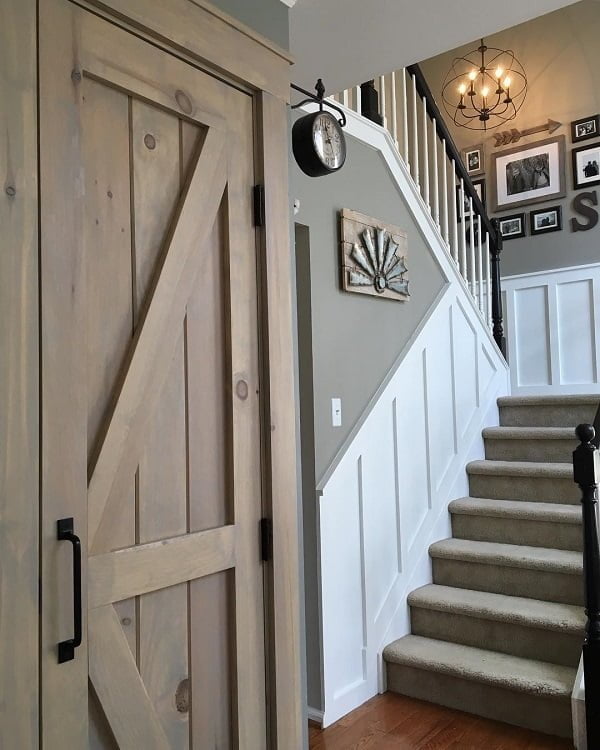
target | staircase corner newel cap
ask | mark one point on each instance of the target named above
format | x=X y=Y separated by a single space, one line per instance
x=586 y=467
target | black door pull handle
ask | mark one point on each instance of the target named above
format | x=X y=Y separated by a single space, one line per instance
x=65 y=532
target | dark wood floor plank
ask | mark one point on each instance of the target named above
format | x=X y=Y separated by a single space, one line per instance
x=396 y=722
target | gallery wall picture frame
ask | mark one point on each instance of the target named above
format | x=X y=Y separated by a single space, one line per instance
x=474 y=159
x=479 y=186
x=531 y=173
x=545 y=220
x=586 y=165
x=512 y=227
x=585 y=128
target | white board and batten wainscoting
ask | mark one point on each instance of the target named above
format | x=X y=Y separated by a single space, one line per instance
x=385 y=498
x=553 y=338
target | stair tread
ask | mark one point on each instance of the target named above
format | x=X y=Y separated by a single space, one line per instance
x=517 y=509
x=565 y=618
x=489 y=667
x=529 y=433
x=557 y=399
x=552 y=470
x=509 y=555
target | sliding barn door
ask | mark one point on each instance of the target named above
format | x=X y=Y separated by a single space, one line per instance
x=151 y=439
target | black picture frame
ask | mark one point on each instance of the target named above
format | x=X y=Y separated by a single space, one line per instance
x=515 y=235
x=592 y=153
x=479 y=186
x=556 y=226
x=585 y=128
x=475 y=165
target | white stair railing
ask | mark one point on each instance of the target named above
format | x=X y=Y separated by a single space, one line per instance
x=424 y=145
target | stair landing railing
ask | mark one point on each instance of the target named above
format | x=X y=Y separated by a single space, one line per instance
x=586 y=473
x=403 y=104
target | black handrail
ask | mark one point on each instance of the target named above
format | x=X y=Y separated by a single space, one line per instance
x=451 y=150
x=585 y=474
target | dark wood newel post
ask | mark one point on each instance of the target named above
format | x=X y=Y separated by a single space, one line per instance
x=497 y=321
x=585 y=474
x=369 y=102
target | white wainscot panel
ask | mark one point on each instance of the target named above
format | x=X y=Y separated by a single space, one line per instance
x=576 y=344
x=531 y=327
x=386 y=500
x=551 y=330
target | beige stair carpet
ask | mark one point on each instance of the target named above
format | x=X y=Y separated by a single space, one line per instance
x=499 y=631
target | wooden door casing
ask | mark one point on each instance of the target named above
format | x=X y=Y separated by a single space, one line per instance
x=150 y=392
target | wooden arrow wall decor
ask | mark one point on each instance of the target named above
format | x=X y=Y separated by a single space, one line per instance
x=506 y=137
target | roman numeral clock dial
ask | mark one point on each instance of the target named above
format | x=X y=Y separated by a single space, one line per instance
x=318 y=143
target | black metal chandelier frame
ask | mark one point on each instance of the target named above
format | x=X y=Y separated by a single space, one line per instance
x=467 y=106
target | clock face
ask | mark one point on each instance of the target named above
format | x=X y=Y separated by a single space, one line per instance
x=328 y=140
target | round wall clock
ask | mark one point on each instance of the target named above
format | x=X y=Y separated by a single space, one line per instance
x=318 y=144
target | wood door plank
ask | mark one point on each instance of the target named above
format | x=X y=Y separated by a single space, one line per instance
x=245 y=417
x=113 y=55
x=162 y=472
x=201 y=33
x=154 y=344
x=19 y=382
x=119 y=687
x=63 y=373
x=156 y=565
x=280 y=429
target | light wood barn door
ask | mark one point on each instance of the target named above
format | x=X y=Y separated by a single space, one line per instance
x=151 y=435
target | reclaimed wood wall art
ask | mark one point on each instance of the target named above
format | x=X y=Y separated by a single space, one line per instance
x=373 y=257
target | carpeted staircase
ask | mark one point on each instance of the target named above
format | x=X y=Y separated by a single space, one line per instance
x=499 y=631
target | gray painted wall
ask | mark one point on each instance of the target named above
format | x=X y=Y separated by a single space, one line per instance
x=269 y=17
x=561 y=55
x=347 y=343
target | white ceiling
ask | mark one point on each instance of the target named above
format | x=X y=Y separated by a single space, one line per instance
x=346 y=42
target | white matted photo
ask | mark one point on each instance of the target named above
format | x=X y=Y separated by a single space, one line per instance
x=529 y=174
x=512 y=227
x=586 y=166
x=474 y=159
x=546 y=220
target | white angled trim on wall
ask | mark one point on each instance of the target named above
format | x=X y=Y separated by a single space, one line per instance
x=552 y=332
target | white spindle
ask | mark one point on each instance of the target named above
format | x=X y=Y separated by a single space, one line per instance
x=488 y=283
x=382 y=101
x=455 y=210
x=445 y=193
x=345 y=97
x=394 y=108
x=357 y=100
x=472 y=284
x=405 y=121
x=436 y=186
x=463 y=234
x=415 y=123
x=425 y=156
x=480 y=266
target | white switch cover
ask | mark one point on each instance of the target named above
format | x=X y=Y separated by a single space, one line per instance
x=336 y=412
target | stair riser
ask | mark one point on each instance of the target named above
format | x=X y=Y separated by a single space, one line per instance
x=530 y=450
x=534 y=489
x=549 y=586
x=541 y=713
x=547 y=416
x=531 y=533
x=493 y=635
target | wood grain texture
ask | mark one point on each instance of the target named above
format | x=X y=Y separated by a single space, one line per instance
x=396 y=722
x=126 y=703
x=147 y=370
x=210 y=37
x=63 y=370
x=19 y=387
x=280 y=427
x=156 y=565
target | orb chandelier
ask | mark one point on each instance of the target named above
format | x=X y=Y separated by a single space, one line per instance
x=484 y=88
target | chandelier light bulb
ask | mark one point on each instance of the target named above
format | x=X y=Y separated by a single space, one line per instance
x=507 y=82
x=499 y=72
x=485 y=91
x=462 y=89
x=472 y=75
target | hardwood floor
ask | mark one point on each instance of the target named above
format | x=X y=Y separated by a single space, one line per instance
x=395 y=722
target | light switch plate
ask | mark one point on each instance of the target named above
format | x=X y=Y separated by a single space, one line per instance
x=336 y=412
